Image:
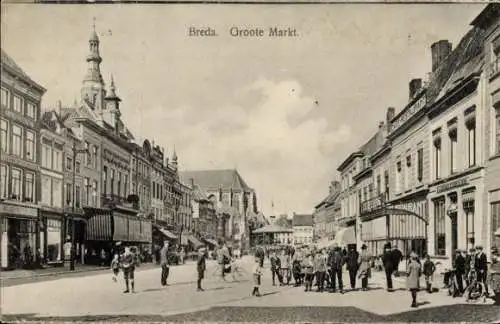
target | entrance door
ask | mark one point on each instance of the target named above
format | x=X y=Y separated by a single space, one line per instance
x=454 y=234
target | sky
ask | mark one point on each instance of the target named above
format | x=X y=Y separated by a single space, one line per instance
x=285 y=112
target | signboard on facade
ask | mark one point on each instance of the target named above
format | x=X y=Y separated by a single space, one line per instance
x=452 y=184
x=7 y=209
x=409 y=112
x=418 y=207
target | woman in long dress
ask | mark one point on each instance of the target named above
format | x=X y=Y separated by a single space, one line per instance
x=364 y=261
x=413 y=280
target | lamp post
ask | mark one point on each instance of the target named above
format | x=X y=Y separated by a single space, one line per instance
x=73 y=207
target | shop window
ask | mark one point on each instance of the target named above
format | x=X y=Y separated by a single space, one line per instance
x=29 y=187
x=18 y=104
x=54 y=244
x=30 y=146
x=4 y=181
x=495 y=224
x=17 y=142
x=469 y=223
x=4 y=137
x=5 y=97
x=420 y=164
x=16 y=184
x=31 y=110
x=439 y=227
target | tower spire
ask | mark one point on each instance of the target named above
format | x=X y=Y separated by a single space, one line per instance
x=93 y=84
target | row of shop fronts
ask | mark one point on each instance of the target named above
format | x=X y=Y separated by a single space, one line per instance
x=32 y=236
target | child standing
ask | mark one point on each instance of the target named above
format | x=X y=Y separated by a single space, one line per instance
x=257 y=273
x=115 y=267
x=429 y=269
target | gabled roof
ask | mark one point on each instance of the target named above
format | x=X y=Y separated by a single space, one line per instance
x=330 y=199
x=273 y=229
x=199 y=194
x=10 y=63
x=213 y=179
x=302 y=220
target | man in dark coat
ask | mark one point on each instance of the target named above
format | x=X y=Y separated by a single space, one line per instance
x=481 y=267
x=201 y=266
x=165 y=266
x=460 y=270
x=352 y=265
x=389 y=265
x=397 y=256
x=260 y=254
x=335 y=262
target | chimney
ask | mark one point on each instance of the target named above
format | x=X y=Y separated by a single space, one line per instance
x=192 y=182
x=391 y=112
x=440 y=51
x=381 y=125
x=415 y=86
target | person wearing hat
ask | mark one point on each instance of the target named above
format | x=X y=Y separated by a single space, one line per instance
x=364 y=261
x=429 y=269
x=164 y=262
x=413 y=277
x=201 y=266
x=481 y=267
x=459 y=270
x=389 y=265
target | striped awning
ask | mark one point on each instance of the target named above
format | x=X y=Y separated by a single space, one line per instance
x=120 y=228
x=193 y=240
x=99 y=228
x=167 y=233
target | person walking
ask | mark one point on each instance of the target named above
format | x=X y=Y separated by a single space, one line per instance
x=336 y=262
x=429 y=269
x=481 y=267
x=165 y=266
x=389 y=264
x=352 y=266
x=201 y=266
x=364 y=262
x=128 y=263
x=413 y=278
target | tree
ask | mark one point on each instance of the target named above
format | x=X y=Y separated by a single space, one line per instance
x=283 y=221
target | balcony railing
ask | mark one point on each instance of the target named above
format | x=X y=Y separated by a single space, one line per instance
x=373 y=204
x=112 y=200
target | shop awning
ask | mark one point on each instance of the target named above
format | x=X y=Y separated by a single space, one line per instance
x=345 y=236
x=167 y=233
x=194 y=241
x=120 y=228
x=99 y=228
x=210 y=241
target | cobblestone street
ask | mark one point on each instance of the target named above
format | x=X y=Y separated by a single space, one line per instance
x=81 y=298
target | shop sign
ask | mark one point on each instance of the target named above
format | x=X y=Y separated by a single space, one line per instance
x=416 y=207
x=372 y=204
x=18 y=210
x=452 y=184
x=410 y=111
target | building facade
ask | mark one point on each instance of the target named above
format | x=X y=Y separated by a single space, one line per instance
x=303 y=229
x=19 y=166
x=326 y=214
x=488 y=22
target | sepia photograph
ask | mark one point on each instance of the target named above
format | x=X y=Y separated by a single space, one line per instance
x=230 y=162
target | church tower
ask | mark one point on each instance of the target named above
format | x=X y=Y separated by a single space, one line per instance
x=112 y=108
x=93 y=89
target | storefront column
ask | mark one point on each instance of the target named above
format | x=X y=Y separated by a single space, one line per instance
x=431 y=239
x=461 y=223
x=447 y=221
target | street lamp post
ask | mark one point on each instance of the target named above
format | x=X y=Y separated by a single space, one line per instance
x=73 y=207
